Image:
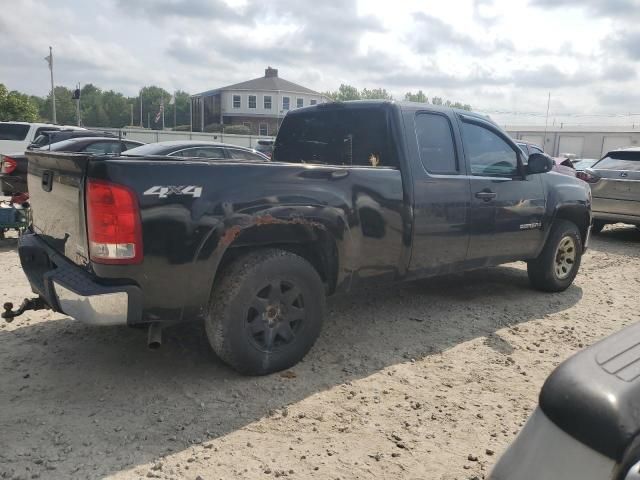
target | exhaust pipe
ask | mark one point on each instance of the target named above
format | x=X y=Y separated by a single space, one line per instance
x=154 y=340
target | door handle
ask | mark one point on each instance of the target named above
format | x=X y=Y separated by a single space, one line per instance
x=486 y=195
x=323 y=173
x=47 y=180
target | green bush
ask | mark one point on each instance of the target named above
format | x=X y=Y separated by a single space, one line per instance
x=237 y=130
x=213 y=127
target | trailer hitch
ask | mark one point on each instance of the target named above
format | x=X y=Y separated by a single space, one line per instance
x=27 y=304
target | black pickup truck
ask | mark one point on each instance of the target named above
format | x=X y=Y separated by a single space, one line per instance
x=357 y=193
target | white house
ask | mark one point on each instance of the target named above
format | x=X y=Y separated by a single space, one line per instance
x=260 y=104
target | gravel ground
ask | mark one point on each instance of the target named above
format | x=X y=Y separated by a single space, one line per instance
x=427 y=380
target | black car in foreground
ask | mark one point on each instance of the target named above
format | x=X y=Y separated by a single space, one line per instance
x=13 y=167
x=197 y=149
x=587 y=424
x=357 y=193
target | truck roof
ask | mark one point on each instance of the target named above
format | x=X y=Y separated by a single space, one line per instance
x=407 y=106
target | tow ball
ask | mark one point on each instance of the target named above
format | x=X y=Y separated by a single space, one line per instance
x=27 y=304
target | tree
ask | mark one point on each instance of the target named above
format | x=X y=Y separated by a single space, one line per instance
x=16 y=106
x=375 y=94
x=65 y=107
x=418 y=97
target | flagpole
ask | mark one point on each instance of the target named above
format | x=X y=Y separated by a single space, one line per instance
x=53 y=90
x=162 y=108
x=141 y=121
x=190 y=114
x=175 y=106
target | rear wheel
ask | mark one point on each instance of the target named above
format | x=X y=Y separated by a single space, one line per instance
x=266 y=312
x=597 y=226
x=557 y=266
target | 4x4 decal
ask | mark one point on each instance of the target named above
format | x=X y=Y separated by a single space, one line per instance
x=164 y=191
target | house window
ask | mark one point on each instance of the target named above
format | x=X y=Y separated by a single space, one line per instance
x=253 y=100
x=300 y=102
x=267 y=102
x=313 y=102
x=264 y=129
x=286 y=101
x=237 y=102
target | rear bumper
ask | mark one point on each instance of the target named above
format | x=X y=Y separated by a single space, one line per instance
x=69 y=289
x=613 y=210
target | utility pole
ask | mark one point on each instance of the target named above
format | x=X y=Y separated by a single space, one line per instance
x=49 y=59
x=141 y=120
x=546 y=122
x=76 y=97
x=191 y=114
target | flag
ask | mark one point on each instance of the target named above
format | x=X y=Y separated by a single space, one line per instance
x=172 y=100
x=49 y=61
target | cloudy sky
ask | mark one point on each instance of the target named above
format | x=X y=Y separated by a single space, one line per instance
x=498 y=55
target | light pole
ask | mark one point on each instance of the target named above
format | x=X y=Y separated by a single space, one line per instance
x=49 y=59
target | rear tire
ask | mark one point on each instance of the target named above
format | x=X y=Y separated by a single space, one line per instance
x=266 y=311
x=557 y=266
x=597 y=226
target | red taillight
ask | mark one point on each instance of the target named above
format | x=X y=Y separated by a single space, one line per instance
x=113 y=223
x=8 y=164
x=587 y=177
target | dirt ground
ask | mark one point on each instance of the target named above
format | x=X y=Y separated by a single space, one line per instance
x=428 y=380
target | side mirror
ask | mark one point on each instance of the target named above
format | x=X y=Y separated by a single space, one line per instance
x=539 y=163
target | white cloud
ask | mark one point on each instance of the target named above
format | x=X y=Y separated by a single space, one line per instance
x=498 y=55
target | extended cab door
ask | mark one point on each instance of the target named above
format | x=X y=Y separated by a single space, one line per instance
x=507 y=206
x=440 y=190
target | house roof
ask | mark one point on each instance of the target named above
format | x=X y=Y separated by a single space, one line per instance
x=270 y=82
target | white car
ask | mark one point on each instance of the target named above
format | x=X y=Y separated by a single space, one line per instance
x=16 y=136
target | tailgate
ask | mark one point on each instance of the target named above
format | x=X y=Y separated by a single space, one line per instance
x=56 y=191
x=619 y=174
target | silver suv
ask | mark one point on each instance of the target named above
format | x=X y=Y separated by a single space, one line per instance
x=615 y=186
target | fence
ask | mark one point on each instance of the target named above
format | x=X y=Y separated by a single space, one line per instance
x=152 y=136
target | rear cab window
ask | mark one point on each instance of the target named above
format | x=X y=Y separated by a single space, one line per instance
x=13 y=131
x=337 y=135
x=436 y=145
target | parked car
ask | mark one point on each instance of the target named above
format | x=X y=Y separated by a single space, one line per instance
x=265 y=147
x=16 y=136
x=581 y=164
x=528 y=148
x=359 y=193
x=586 y=426
x=560 y=165
x=13 y=167
x=615 y=186
x=49 y=137
x=192 y=148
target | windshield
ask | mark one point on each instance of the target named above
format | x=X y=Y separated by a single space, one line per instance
x=620 y=161
x=13 y=131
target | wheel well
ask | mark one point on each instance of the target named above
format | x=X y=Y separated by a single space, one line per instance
x=578 y=216
x=313 y=244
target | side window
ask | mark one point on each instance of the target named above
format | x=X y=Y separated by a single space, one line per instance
x=237 y=101
x=200 y=152
x=243 y=155
x=533 y=149
x=488 y=154
x=101 y=148
x=435 y=144
x=128 y=145
x=286 y=103
x=253 y=100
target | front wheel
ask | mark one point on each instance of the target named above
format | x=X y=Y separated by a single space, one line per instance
x=557 y=266
x=266 y=311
